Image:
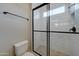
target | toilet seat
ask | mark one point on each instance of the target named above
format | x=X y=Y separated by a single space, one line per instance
x=28 y=54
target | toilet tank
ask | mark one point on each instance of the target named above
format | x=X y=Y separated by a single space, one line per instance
x=21 y=47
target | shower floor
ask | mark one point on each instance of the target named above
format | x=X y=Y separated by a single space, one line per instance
x=42 y=50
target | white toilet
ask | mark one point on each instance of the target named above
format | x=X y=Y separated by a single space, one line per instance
x=21 y=49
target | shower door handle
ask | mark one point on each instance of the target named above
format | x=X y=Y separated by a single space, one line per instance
x=73 y=29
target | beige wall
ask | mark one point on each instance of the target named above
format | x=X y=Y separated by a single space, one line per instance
x=14 y=29
x=35 y=5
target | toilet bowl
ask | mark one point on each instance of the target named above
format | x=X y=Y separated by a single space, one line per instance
x=21 y=49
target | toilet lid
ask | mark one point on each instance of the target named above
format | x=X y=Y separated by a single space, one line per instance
x=28 y=54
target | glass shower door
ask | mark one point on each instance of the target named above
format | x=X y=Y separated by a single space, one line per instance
x=75 y=38
x=60 y=22
x=64 y=17
x=40 y=30
x=53 y=29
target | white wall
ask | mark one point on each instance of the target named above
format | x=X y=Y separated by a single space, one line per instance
x=14 y=29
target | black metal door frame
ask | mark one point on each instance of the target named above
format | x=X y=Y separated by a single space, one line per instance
x=48 y=30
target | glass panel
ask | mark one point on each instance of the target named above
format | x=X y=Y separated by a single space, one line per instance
x=76 y=16
x=39 y=19
x=60 y=18
x=40 y=43
x=75 y=45
x=60 y=44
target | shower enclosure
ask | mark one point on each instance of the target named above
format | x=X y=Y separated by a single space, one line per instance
x=55 y=29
